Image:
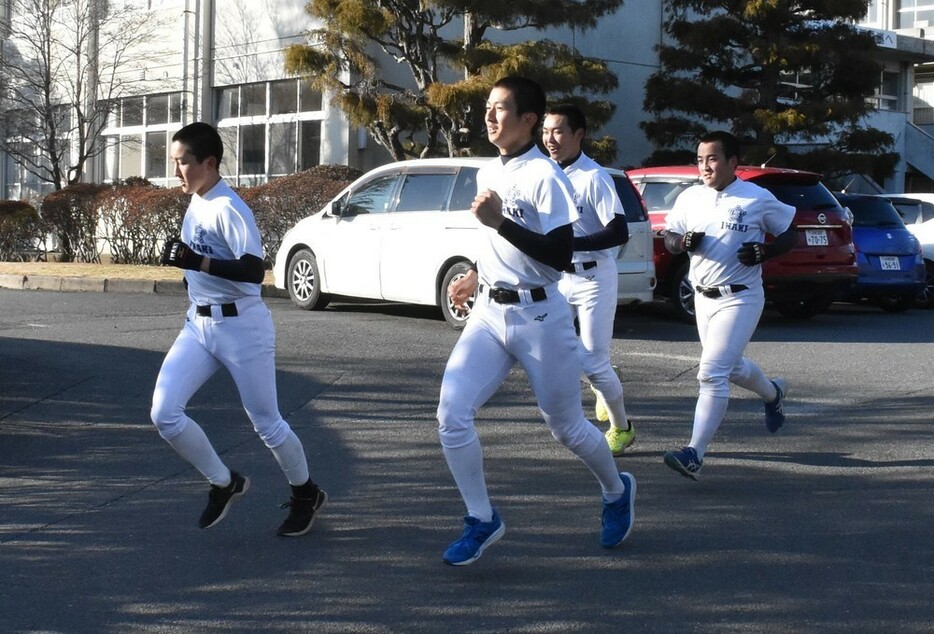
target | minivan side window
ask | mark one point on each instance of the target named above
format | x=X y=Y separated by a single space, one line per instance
x=373 y=198
x=465 y=189
x=630 y=199
x=424 y=192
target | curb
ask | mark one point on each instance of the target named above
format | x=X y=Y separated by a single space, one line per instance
x=107 y=285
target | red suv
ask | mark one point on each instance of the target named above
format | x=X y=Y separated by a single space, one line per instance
x=800 y=283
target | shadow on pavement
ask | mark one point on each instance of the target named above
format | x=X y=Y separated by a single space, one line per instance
x=98 y=531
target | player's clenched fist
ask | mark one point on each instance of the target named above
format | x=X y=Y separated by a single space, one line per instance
x=177 y=253
x=691 y=240
x=487 y=206
x=751 y=253
x=462 y=289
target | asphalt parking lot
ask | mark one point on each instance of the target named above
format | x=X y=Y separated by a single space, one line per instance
x=822 y=526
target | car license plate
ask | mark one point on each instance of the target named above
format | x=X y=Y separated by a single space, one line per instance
x=889 y=263
x=816 y=237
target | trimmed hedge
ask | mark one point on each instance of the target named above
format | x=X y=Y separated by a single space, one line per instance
x=22 y=231
x=133 y=218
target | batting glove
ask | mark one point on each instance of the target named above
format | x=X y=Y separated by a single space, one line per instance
x=691 y=240
x=177 y=253
x=751 y=253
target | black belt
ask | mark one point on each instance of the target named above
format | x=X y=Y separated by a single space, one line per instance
x=714 y=291
x=509 y=296
x=578 y=267
x=227 y=310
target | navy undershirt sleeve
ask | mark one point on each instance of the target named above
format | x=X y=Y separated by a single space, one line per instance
x=615 y=233
x=554 y=248
x=248 y=268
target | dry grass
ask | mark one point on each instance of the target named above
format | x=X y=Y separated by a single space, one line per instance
x=97 y=271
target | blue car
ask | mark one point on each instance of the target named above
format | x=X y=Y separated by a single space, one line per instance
x=891 y=269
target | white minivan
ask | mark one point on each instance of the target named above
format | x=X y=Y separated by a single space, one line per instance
x=403 y=231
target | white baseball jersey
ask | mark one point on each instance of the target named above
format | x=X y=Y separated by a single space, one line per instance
x=536 y=194
x=221 y=226
x=742 y=212
x=596 y=202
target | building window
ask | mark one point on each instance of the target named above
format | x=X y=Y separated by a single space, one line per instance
x=309 y=144
x=875 y=16
x=923 y=102
x=131 y=156
x=137 y=137
x=27 y=169
x=309 y=99
x=6 y=16
x=132 y=112
x=283 y=98
x=282 y=146
x=156 y=154
x=269 y=129
x=228 y=103
x=252 y=150
x=914 y=14
x=253 y=100
x=886 y=97
x=793 y=84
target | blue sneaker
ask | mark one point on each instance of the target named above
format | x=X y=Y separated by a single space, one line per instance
x=774 y=416
x=618 y=516
x=684 y=462
x=473 y=541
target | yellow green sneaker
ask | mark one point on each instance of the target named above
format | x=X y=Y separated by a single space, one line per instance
x=620 y=439
x=600 y=408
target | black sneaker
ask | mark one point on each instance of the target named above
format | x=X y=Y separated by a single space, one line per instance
x=220 y=499
x=302 y=513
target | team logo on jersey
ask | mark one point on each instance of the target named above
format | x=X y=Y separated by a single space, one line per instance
x=541 y=317
x=577 y=203
x=735 y=223
x=511 y=203
x=198 y=243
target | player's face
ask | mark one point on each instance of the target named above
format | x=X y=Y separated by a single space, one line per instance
x=561 y=142
x=504 y=128
x=195 y=177
x=715 y=169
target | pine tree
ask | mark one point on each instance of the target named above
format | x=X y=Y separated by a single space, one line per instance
x=792 y=79
x=435 y=106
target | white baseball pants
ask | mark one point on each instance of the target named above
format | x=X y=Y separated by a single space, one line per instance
x=245 y=345
x=591 y=296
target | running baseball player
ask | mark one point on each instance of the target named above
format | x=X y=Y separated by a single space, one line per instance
x=590 y=284
x=227 y=325
x=722 y=224
x=525 y=207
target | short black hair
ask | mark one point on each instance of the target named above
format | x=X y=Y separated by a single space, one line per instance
x=527 y=94
x=728 y=142
x=574 y=115
x=202 y=140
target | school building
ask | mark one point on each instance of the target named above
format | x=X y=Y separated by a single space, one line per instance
x=222 y=61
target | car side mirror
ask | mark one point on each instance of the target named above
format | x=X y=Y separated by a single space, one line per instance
x=338 y=208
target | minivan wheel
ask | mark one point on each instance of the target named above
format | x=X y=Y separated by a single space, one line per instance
x=681 y=294
x=455 y=317
x=303 y=281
